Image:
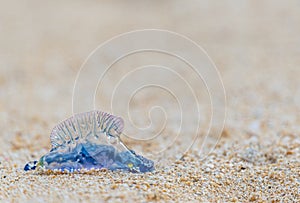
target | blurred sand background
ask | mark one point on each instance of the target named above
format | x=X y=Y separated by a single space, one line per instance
x=256 y=47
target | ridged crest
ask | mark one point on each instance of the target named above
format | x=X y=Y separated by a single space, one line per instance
x=80 y=126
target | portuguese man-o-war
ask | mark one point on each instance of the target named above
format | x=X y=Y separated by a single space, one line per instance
x=88 y=141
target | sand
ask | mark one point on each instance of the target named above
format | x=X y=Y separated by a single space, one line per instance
x=255 y=46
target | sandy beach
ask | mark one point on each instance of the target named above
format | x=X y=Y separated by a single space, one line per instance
x=254 y=45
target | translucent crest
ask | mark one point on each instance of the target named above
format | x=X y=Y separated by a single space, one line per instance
x=86 y=126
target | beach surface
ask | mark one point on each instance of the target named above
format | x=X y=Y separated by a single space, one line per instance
x=254 y=45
